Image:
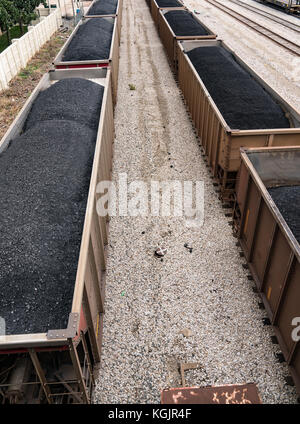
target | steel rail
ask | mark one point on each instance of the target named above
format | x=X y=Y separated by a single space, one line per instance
x=276 y=38
x=280 y=7
x=267 y=15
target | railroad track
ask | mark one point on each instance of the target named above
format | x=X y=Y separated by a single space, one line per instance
x=276 y=38
x=267 y=15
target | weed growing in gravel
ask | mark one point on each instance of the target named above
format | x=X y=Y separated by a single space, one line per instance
x=132 y=87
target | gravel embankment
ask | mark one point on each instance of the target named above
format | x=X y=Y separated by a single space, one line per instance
x=196 y=305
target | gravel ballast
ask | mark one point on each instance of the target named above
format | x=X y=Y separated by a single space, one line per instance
x=197 y=305
x=92 y=41
x=103 y=7
x=183 y=23
x=73 y=99
x=287 y=199
x=241 y=100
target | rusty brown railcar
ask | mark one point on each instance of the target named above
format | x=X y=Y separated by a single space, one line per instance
x=221 y=143
x=212 y=395
x=169 y=39
x=270 y=246
x=154 y=9
x=57 y=366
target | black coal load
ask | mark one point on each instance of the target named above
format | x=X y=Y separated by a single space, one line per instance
x=69 y=99
x=168 y=3
x=103 y=7
x=44 y=184
x=92 y=41
x=241 y=100
x=287 y=199
x=183 y=23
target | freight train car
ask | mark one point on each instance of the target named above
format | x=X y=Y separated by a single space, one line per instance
x=52 y=272
x=232 y=110
x=100 y=9
x=157 y=5
x=291 y=6
x=268 y=227
x=93 y=44
x=174 y=25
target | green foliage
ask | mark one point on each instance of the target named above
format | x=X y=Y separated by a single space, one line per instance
x=14 y=32
x=25 y=10
x=17 y=11
x=8 y=15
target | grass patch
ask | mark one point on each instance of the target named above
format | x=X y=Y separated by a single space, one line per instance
x=28 y=71
x=15 y=32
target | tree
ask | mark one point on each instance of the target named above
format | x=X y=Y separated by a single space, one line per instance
x=8 y=15
x=25 y=11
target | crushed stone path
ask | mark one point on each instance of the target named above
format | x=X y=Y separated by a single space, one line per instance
x=196 y=305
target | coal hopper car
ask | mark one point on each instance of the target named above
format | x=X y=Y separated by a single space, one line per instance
x=53 y=241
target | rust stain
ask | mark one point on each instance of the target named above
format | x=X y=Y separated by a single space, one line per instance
x=97 y=330
x=246 y=221
x=269 y=292
x=226 y=395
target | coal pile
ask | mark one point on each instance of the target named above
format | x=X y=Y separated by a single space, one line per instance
x=241 y=100
x=287 y=199
x=168 y=3
x=72 y=99
x=92 y=41
x=103 y=7
x=44 y=184
x=183 y=23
